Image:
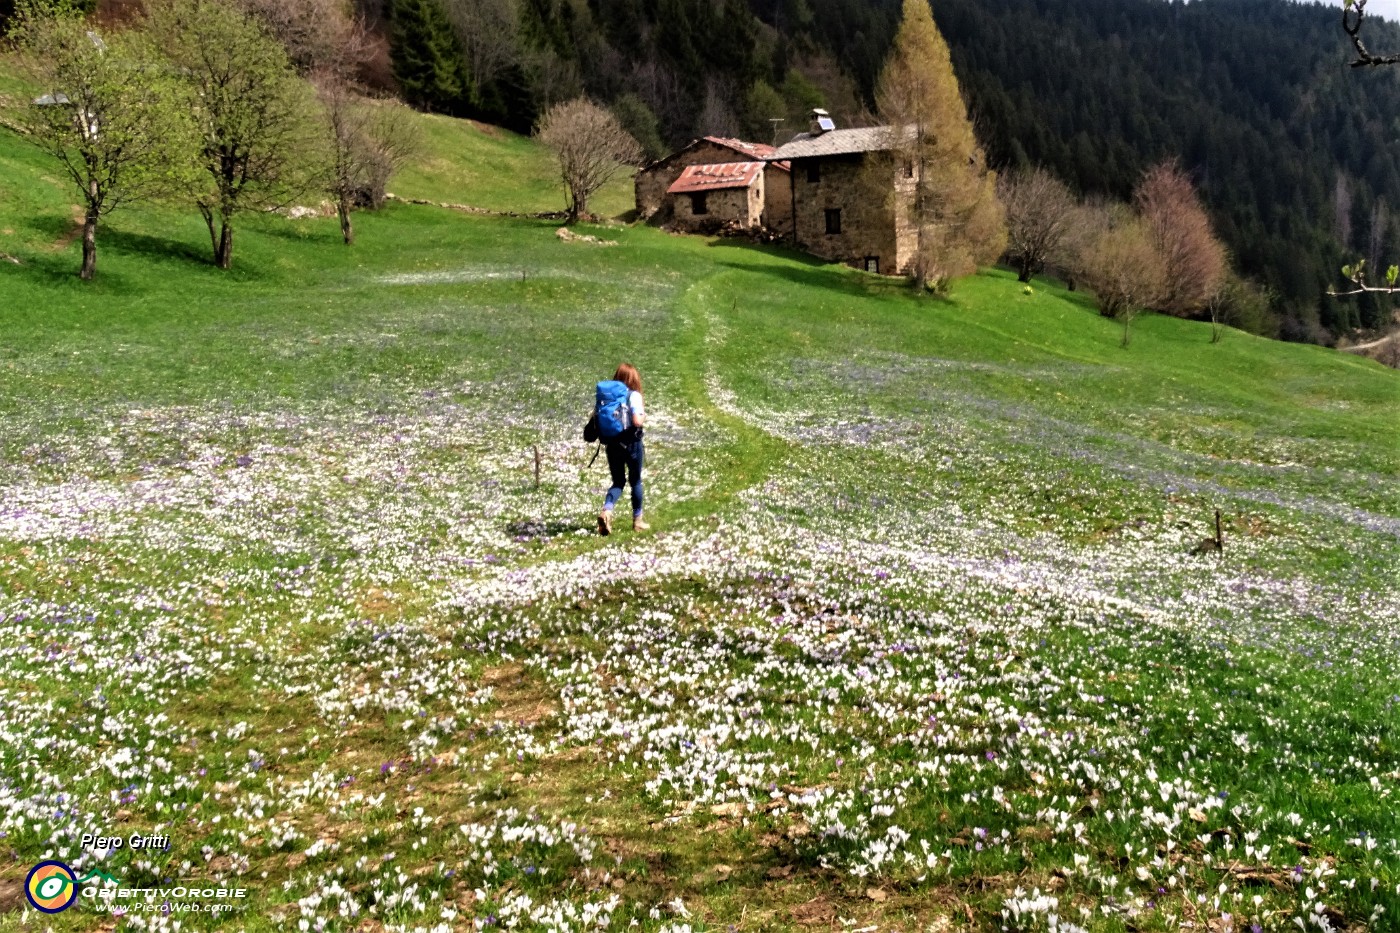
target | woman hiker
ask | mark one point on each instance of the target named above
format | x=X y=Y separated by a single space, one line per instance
x=626 y=452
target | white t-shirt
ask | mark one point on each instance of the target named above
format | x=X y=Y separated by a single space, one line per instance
x=635 y=407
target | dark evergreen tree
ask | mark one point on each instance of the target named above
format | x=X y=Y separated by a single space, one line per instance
x=429 y=65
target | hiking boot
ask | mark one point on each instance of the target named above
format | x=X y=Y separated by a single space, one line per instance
x=605 y=522
x=639 y=524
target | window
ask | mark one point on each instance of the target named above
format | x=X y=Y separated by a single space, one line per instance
x=833 y=220
x=814 y=172
x=872 y=264
x=698 y=204
x=908 y=168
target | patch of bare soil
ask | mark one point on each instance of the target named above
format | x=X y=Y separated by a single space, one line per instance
x=522 y=701
x=75 y=230
x=817 y=912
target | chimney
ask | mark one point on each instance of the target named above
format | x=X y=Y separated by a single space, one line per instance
x=821 y=122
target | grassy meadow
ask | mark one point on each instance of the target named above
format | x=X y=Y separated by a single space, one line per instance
x=919 y=640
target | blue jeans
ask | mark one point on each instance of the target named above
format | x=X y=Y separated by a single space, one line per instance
x=625 y=464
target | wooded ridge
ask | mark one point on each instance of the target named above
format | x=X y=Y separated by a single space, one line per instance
x=1293 y=151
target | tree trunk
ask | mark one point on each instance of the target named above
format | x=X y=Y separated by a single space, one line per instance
x=223 y=253
x=347 y=228
x=94 y=205
x=213 y=234
x=1025 y=272
x=89 y=245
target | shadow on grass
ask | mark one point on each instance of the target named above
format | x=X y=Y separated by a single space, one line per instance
x=59 y=229
x=308 y=230
x=805 y=269
x=60 y=260
x=841 y=280
x=539 y=529
x=55 y=269
x=157 y=247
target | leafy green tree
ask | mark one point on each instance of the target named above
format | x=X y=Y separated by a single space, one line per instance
x=762 y=104
x=111 y=115
x=255 y=118
x=9 y=9
x=952 y=205
x=801 y=96
x=640 y=123
x=429 y=62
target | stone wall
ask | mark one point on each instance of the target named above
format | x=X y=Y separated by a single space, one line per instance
x=906 y=239
x=869 y=226
x=777 y=199
x=742 y=206
x=651 y=182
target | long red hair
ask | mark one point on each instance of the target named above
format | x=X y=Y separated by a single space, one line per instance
x=628 y=375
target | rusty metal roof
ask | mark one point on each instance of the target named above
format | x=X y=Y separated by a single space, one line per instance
x=716 y=177
x=746 y=151
x=753 y=150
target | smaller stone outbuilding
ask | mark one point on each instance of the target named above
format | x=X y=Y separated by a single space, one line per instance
x=710 y=196
x=656 y=203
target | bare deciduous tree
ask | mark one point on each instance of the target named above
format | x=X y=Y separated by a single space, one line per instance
x=1380 y=221
x=716 y=117
x=489 y=33
x=369 y=140
x=1353 y=15
x=1341 y=209
x=1088 y=221
x=1039 y=212
x=319 y=35
x=1124 y=269
x=592 y=148
x=111 y=115
x=255 y=118
x=1359 y=272
x=1193 y=259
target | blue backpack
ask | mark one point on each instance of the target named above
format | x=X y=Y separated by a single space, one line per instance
x=614 y=418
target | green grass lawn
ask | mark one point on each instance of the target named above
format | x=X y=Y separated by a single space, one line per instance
x=918 y=640
x=484 y=166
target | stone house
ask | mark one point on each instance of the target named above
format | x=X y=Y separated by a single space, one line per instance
x=706 y=196
x=656 y=202
x=842 y=208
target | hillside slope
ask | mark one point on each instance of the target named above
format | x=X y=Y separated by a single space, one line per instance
x=298 y=563
x=465 y=162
